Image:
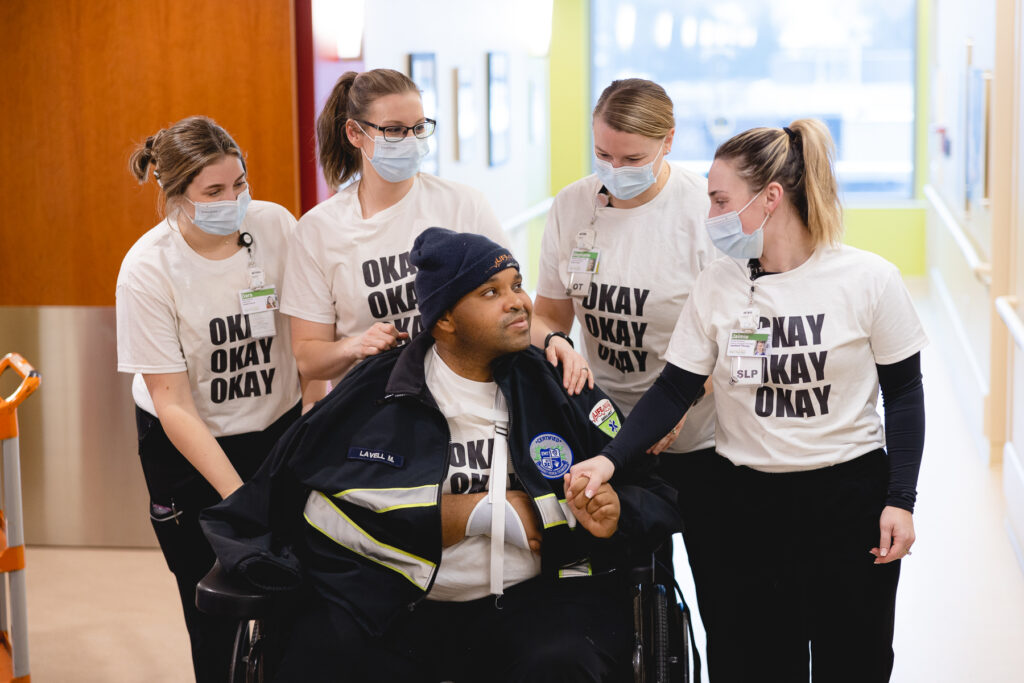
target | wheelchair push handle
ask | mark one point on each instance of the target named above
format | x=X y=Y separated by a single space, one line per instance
x=30 y=380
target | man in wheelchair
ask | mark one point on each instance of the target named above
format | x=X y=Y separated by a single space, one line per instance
x=418 y=512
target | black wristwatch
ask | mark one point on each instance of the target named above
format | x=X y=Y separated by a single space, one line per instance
x=563 y=335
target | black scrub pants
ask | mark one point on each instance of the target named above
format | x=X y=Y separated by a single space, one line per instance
x=697 y=477
x=541 y=631
x=177 y=495
x=802 y=592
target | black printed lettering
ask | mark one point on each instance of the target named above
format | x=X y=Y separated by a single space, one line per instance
x=235 y=387
x=803 y=403
x=218 y=390
x=821 y=393
x=778 y=333
x=641 y=360
x=252 y=384
x=413 y=325
x=590 y=300
x=764 y=401
x=219 y=360
x=265 y=344
x=604 y=302
x=622 y=301
x=639 y=329
x=797 y=337
x=815 y=322
x=378 y=305
x=218 y=331
x=238 y=327
x=818 y=362
x=268 y=380
x=371 y=273
x=641 y=298
x=798 y=366
x=406 y=265
x=456 y=455
x=478 y=482
x=399 y=303
x=388 y=270
x=784 y=403
x=777 y=368
x=590 y=321
x=460 y=482
x=475 y=456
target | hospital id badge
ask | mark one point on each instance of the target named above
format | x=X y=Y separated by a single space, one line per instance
x=262 y=324
x=258 y=300
x=748 y=344
x=584 y=260
x=747 y=370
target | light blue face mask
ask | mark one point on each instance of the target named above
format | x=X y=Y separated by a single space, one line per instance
x=727 y=234
x=221 y=218
x=397 y=161
x=626 y=182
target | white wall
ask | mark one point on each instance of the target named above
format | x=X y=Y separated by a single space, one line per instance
x=460 y=33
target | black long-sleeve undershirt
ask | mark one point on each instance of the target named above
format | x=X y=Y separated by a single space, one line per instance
x=675 y=390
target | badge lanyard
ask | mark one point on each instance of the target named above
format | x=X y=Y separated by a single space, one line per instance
x=584 y=260
x=259 y=301
x=749 y=347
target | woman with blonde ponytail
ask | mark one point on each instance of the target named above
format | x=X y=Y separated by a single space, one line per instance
x=215 y=381
x=798 y=333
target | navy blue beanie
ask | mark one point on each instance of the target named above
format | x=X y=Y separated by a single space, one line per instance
x=450 y=265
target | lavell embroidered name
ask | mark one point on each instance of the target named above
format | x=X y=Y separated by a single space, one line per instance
x=370 y=455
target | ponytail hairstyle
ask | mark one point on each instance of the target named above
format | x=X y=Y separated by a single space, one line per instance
x=636 y=105
x=351 y=99
x=800 y=157
x=179 y=152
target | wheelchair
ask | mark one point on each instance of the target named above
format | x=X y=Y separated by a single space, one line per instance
x=664 y=648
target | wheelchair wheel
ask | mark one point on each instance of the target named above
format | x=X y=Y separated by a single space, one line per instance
x=247 y=658
x=662 y=658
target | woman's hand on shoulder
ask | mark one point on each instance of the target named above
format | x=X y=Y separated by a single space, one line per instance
x=575 y=372
x=379 y=337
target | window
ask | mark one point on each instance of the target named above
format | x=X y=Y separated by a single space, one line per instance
x=730 y=65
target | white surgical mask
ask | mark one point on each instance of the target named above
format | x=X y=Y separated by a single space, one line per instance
x=626 y=182
x=727 y=234
x=397 y=161
x=221 y=218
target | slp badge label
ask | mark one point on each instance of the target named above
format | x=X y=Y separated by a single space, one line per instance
x=604 y=417
x=370 y=455
x=551 y=454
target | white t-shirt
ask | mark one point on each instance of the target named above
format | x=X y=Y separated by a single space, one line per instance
x=352 y=272
x=464 y=573
x=180 y=312
x=832 y=318
x=649 y=259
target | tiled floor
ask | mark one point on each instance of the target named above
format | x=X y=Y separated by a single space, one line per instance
x=113 y=615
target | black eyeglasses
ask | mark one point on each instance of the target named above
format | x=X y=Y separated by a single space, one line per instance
x=423 y=129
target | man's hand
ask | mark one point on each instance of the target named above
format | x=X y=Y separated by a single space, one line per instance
x=599 y=514
x=587 y=477
x=523 y=506
x=897 y=535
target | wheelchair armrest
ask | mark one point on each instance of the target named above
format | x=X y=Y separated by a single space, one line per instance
x=220 y=594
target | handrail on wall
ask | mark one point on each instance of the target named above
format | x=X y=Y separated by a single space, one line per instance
x=982 y=269
x=528 y=215
x=1006 y=306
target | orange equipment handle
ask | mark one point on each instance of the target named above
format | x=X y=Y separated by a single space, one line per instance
x=9 y=406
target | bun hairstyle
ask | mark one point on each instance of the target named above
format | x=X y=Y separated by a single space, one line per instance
x=800 y=157
x=636 y=105
x=351 y=99
x=179 y=152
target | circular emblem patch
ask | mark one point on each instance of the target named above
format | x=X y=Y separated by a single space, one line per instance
x=551 y=454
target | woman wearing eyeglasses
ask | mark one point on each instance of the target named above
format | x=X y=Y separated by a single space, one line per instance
x=349 y=282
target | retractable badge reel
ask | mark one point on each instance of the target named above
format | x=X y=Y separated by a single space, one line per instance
x=259 y=301
x=749 y=348
x=585 y=258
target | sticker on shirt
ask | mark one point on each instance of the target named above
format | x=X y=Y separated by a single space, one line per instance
x=375 y=455
x=584 y=260
x=749 y=344
x=604 y=417
x=258 y=300
x=747 y=370
x=551 y=454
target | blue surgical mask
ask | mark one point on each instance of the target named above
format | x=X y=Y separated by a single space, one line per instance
x=397 y=161
x=221 y=218
x=727 y=234
x=626 y=182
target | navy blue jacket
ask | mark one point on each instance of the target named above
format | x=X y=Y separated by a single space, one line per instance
x=349 y=499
